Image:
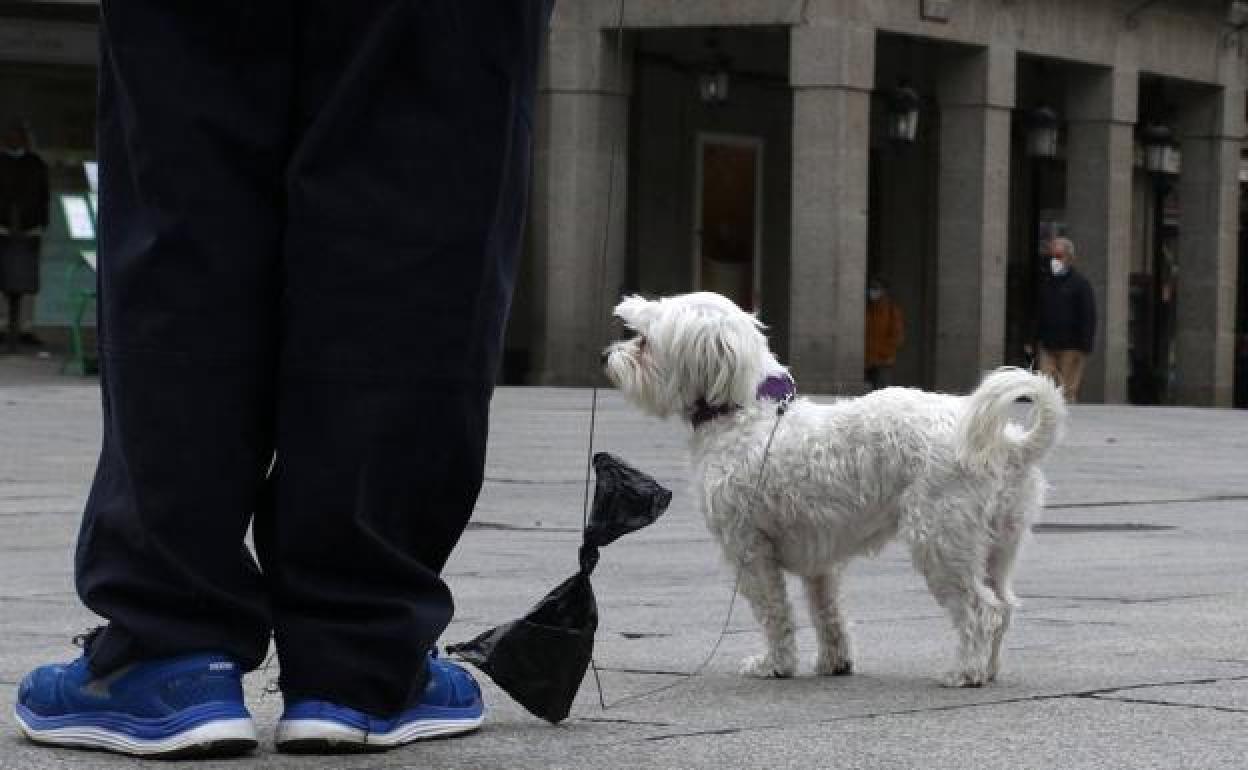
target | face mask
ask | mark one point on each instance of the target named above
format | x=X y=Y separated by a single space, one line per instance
x=1057 y=266
x=874 y=294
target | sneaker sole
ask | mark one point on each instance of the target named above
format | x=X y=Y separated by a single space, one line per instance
x=218 y=738
x=317 y=736
x=425 y=729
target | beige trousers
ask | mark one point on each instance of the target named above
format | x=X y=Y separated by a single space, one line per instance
x=1065 y=367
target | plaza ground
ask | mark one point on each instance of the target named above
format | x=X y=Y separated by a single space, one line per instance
x=1129 y=651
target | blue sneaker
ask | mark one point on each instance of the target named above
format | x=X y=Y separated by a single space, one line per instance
x=450 y=705
x=187 y=706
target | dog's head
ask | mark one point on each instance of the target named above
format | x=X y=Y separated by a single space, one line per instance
x=686 y=349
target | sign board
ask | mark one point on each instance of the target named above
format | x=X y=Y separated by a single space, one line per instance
x=78 y=220
x=48 y=42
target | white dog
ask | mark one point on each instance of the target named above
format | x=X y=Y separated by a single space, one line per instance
x=806 y=490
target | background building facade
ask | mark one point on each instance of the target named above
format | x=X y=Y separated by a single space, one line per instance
x=754 y=154
x=781 y=151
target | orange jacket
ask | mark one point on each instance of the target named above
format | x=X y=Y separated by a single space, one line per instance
x=886 y=326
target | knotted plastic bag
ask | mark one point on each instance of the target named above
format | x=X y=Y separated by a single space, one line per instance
x=541 y=658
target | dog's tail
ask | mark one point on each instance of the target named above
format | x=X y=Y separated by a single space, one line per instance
x=986 y=434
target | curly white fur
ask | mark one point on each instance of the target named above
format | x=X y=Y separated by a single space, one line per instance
x=951 y=476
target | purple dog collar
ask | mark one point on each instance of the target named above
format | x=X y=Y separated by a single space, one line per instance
x=778 y=387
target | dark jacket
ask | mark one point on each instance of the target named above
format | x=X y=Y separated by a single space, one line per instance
x=23 y=191
x=1067 y=313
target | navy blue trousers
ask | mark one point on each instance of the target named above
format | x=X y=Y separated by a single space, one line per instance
x=311 y=213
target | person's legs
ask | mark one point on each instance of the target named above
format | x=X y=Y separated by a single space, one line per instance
x=406 y=199
x=1071 y=364
x=194 y=131
x=1047 y=364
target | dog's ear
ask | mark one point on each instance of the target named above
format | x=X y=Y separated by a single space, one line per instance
x=723 y=362
x=634 y=311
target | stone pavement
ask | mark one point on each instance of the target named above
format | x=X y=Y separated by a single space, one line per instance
x=1129 y=651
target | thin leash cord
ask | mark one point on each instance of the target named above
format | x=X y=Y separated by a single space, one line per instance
x=598 y=308
x=736 y=587
x=593 y=412
x=602 y=272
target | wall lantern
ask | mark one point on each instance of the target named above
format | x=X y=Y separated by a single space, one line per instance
x=1042 y=133
x=1237 y=14
x=1161 y=151
x=903 y=113
x=713 y=85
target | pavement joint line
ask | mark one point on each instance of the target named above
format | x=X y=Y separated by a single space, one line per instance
x=1229 y=498
x=1085 y=694
x=1122 y=599
x=1069 y=622
x=36 y=600
x=637 y=722
x=1150 y=702
x=643 y=671
x=495 y=526
x=565 y=482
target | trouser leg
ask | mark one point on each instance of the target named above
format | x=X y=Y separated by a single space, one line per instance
x=407 y=196
x=1071 y=364
x=1047 y=364
x=194 y=135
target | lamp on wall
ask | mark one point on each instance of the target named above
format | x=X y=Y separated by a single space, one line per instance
x=903 y=113
x=1161 y=151
x=713 y=86
x=1043 y=133
x=1237 y=14
x=713 y=81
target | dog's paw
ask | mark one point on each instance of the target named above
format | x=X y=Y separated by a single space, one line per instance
x=767 y=667
x=834 y=666
x=966 y=679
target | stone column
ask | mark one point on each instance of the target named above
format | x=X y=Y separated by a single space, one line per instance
x=1212 y=137
x=581 y=123
x=976 y=91
x=1101 y=107
x=832 y=71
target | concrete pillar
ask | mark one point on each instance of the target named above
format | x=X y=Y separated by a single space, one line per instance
x=581 y=123
x=1101 y=107
x=1212 y=137
x=976 y=90
x=832 y=72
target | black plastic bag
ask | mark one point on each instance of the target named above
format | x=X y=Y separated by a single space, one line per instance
x=625 y=500
x=541 y=659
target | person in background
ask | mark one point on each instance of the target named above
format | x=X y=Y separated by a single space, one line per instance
x=23 y=217
x=1066 y=323
x=885 y=333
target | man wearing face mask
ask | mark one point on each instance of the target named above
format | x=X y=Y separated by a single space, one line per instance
x=1066 y=326
x=23 y=216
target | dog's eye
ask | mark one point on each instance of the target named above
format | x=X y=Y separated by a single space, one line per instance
x=641 y=342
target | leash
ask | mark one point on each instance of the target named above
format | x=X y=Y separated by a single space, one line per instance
x=781 y=409
x=599 y=311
